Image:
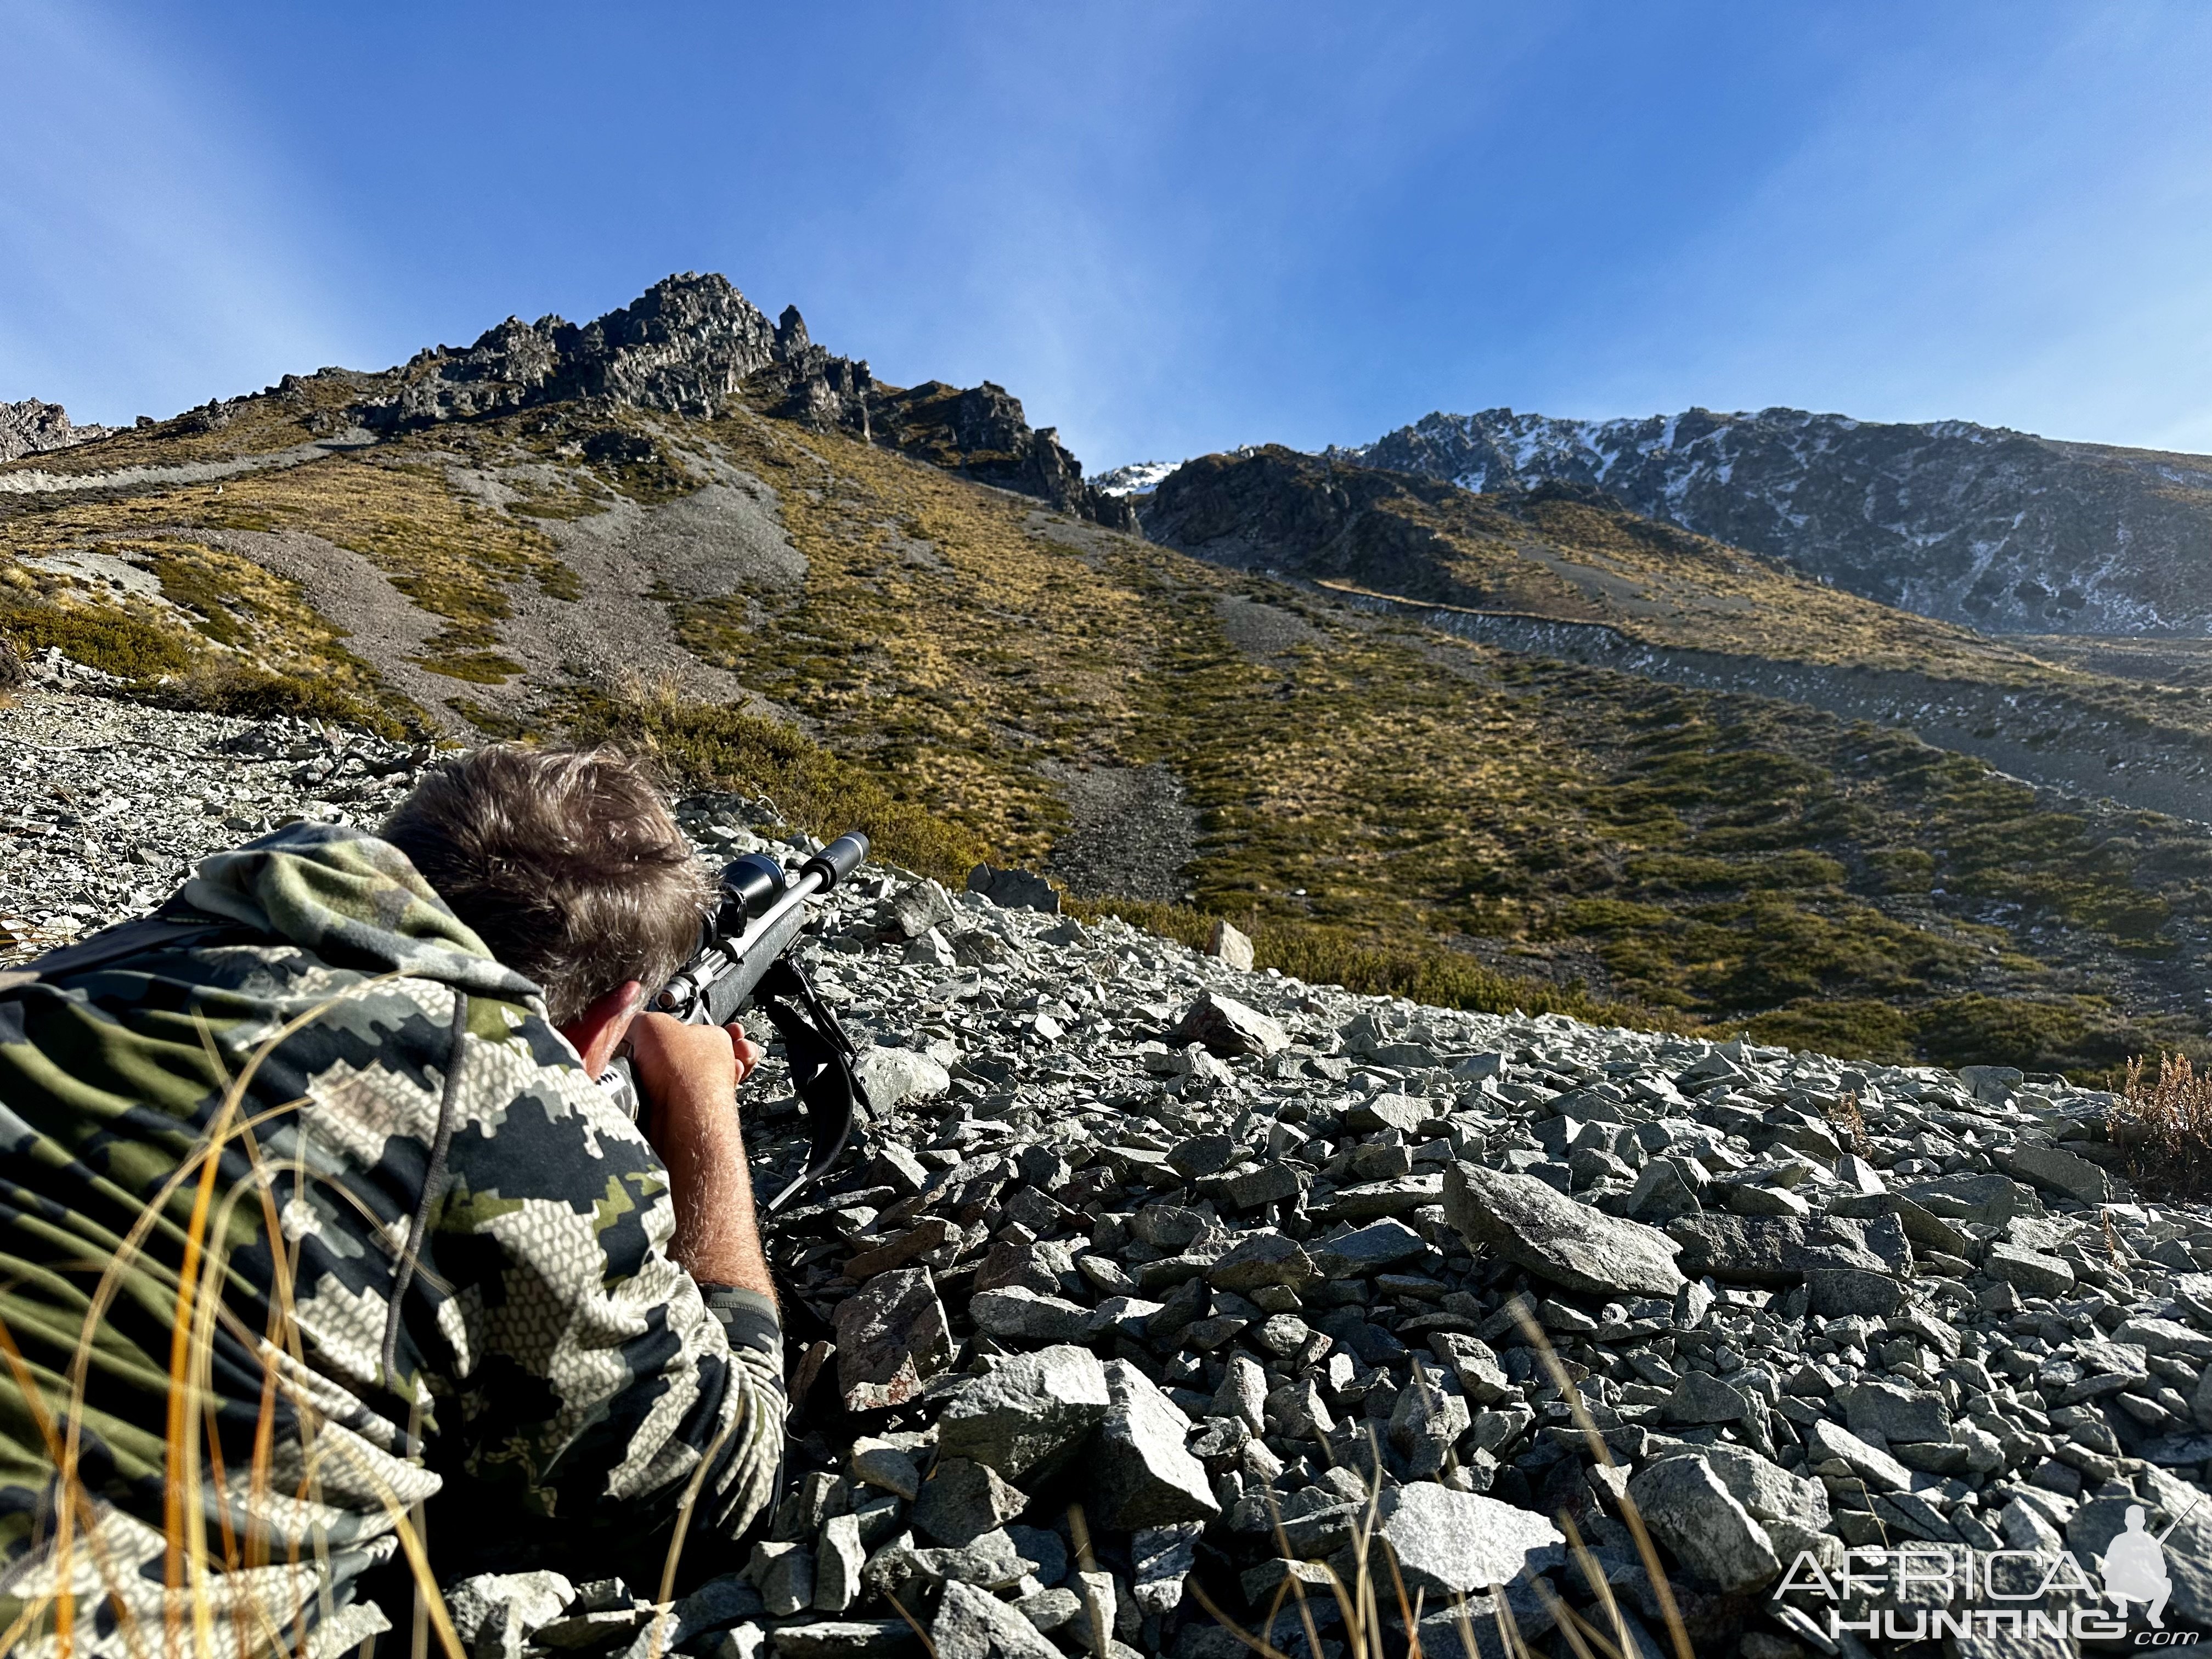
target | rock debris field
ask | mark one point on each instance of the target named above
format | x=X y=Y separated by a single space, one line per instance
x=1158 y=1283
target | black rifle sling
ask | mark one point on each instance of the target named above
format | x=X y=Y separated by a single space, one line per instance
x=821 y=1058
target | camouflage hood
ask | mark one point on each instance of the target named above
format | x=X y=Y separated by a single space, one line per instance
x=341 y=895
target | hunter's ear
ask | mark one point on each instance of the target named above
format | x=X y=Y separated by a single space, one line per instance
x=598 y=1030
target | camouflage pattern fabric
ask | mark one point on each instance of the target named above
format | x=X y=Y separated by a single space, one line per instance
x=230 y=1128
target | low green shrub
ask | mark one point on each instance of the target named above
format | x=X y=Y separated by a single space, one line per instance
x=111 y=641
x=702 y=746
x=256 y=694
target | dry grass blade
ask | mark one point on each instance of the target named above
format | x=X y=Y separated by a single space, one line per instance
x=1508 y=1627
x=683 y=1513
x=1562 y=1615
x=1261 y=1648
x=1630 y=1515
x=1594 y=1575
x=1079 y=1532
x=1411 y=1613
x=190 y=1566
x=919 y=1635
x=1298 y=1590
x=1590 y=1632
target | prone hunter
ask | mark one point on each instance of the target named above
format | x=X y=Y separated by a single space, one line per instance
x=430 y=1283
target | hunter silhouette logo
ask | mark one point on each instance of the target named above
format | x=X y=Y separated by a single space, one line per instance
x=2134 y=1569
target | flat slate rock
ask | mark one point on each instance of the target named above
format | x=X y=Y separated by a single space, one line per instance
x=1774 y=1251
x=1533 y=1223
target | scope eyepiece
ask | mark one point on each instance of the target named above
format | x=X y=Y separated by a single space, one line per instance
x=838 y=860
x=750 y=885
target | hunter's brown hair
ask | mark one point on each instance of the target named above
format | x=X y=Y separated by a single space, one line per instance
x=566 y=863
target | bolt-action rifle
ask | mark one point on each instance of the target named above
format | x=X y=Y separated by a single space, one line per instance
x=742 y=962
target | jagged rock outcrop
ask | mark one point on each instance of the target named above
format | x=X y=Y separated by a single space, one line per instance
x=982 y=432
x=691 y=343
x=683 y=347
x=1997 y=529
x=32 y=427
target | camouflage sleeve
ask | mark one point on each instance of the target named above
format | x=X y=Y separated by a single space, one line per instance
x=587 y=1384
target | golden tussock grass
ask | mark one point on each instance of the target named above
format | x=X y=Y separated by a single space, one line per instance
x=2164 y=1124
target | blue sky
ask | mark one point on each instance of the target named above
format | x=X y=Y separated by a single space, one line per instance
x=1168 y=228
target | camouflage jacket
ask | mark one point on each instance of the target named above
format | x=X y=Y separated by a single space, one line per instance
x=307 y=1217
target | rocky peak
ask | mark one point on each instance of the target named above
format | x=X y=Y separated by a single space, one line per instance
x=1269 y=508
x=791 y=333
x=31 y=428
x=690 y=344
x=684 y=347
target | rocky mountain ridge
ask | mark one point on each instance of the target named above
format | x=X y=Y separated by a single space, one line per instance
x=777 y=592
x=690 y=344
x=33 y=428
x=1999 y=529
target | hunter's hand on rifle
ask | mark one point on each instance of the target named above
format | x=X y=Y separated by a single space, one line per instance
x=687 y=1077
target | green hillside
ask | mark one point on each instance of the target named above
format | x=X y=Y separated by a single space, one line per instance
x=947 y=663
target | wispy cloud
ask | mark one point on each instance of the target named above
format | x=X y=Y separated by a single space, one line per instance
x=150 y=249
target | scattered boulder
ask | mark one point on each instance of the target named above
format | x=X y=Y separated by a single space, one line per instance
x=963 y=1499
x=1029 y=1415
x=1531 y=1222
x=893 y=1337
x=1229 y=946
x=1014 y=890
x=1141 y=1475
x=1691 y=1511
x=1229 y=1029
x=891 y=1075
x=1453 y=1543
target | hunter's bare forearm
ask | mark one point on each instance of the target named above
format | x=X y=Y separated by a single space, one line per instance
x=717 y=1236
x=689 y=1076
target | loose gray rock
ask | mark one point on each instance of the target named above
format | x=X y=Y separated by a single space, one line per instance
x=1029 y=1414
x=1884 y=1411
x=893 y=1337
x=918 y=908
x=891 y=1075
x=1699 y=1397
x=1565 y=1242
x=2031 y=1272
x=844 y=1639
x=1014 y=890
x=1663 y=1191
x=2060 y=1171
x=1847 y=1292
x=1020 y=1314
x=1229 y=946
x=972 y=1624
x=963 y=1499
x=1140 y=1474
x=1778 y=1250
x=1227 y=1027
x=1690 y=1511
x=495 y=1612
x=838 y=1558
x=1450 y=1542
x=1370 y=1249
